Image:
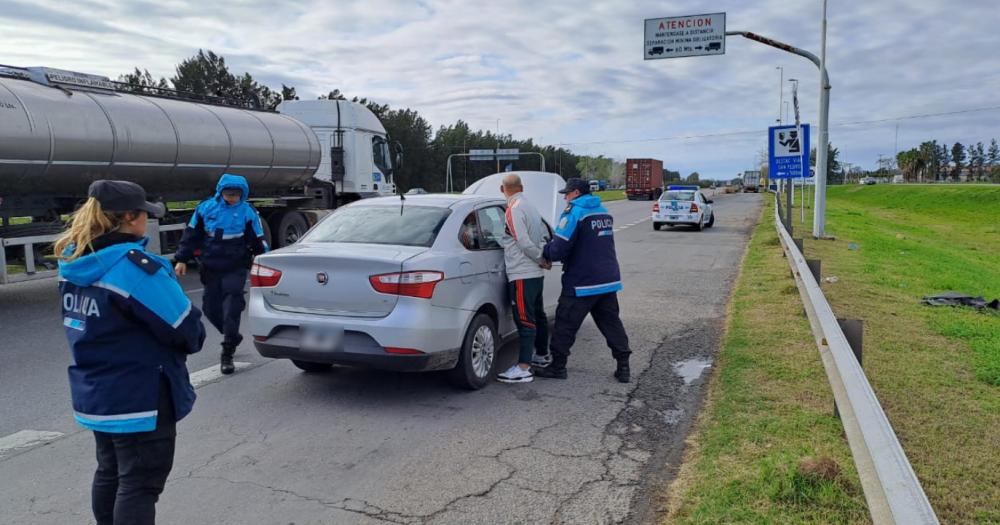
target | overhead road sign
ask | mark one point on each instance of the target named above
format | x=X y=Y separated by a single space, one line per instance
x=508 y=154
x=685 y=36
x=788 y=152
x=480 y=154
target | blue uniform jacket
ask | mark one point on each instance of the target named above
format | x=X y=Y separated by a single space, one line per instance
x=584 y=242
x=128 y=324
x=227 y=235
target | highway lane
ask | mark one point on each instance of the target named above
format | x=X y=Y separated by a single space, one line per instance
x=274 y=445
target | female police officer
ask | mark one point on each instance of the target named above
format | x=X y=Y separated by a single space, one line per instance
x=130 y=328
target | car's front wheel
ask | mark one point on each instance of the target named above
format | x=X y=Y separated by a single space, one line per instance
x=478 y=355
x=711 y=220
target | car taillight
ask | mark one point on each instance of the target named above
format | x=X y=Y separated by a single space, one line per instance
x=263 y=276
x=412 y=284
x=656 y=207
x=694 y=208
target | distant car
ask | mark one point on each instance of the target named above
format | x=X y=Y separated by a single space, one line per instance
x=868 y=181
x=416 y=191
x=410 y=285
x=683 y=205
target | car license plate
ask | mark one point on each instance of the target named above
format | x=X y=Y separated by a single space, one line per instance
x=320 y=338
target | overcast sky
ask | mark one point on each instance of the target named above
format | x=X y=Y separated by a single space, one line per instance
x=567 y=72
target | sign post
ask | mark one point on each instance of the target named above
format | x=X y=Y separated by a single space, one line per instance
x=685 y=36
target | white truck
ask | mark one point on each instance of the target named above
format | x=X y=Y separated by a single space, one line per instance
x=61 y=130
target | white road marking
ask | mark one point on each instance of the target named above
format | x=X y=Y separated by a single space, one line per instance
x=26 y=439
x=207 y=375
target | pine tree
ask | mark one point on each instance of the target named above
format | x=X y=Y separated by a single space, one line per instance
x=958 y=156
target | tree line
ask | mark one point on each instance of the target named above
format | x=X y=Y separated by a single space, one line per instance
x=426 y=150
x=931 y=161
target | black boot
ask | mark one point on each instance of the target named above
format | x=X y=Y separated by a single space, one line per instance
x=622 y=373
x=226 y=361
x=556 y=370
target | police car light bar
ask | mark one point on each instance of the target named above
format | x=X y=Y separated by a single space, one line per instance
x=673 y=188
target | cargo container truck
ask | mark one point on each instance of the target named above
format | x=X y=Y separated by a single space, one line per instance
x=643 y=179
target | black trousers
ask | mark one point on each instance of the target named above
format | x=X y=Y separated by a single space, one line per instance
x=133 y=468
x=223 y=301
x=570 y=315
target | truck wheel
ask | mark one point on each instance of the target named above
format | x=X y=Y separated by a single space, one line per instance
x=477 y=356
x=291 y=226
x=307 y=366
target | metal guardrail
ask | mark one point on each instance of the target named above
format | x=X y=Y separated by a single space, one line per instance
x=891 y=488
x=153 y=231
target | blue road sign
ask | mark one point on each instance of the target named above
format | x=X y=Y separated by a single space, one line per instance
x=788 y=153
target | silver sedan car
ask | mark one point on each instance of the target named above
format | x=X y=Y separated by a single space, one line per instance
x=406 y=285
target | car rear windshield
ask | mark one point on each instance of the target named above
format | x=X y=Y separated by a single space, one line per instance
x=399 y=225
x=678 y=196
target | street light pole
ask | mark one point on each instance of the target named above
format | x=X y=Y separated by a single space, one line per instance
x=823 y=146
x=781 y=91
x=819 y=210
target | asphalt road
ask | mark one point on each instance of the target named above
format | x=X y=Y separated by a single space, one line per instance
x=271 y=444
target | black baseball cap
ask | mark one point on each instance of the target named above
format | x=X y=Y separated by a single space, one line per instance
x=122 y=195
x=576 y=183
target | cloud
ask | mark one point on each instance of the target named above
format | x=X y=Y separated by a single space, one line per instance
x=564 y=72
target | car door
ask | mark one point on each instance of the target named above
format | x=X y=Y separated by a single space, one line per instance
x=703 y=202
x=491 y=229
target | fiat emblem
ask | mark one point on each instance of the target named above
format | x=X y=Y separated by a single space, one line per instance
x=322 y=278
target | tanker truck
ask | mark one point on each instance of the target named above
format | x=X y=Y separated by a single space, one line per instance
x=61 y=130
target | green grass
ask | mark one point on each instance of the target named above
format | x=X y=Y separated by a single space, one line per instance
x=769 y=409
x=936 y=370
x=610 y=195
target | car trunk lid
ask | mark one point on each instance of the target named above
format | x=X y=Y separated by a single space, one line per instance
x=333 y=278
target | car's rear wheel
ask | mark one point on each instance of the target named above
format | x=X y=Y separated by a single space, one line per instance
x=307 y=366
x=478 y=355
x=657 y=225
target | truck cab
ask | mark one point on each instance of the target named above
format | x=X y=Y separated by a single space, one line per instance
x=356 y=154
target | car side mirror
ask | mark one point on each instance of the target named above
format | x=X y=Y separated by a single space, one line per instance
x=710 y=201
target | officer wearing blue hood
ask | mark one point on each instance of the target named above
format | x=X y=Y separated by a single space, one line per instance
x=584 y=242
x=130 y=328
x=228 y=231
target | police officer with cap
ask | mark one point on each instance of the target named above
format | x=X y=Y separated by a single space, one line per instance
x=584 y=242
x=130 y=328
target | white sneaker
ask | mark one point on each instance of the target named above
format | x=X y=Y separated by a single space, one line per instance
x=515 y=374
x=541 y=361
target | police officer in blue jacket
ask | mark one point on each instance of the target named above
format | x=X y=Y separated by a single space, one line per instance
x=228 y=231
x=584 y=242
x=130 y=328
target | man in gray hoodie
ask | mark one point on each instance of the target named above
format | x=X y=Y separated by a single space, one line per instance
x=522 y=249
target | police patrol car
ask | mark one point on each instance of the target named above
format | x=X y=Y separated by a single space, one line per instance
x=683 y=205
